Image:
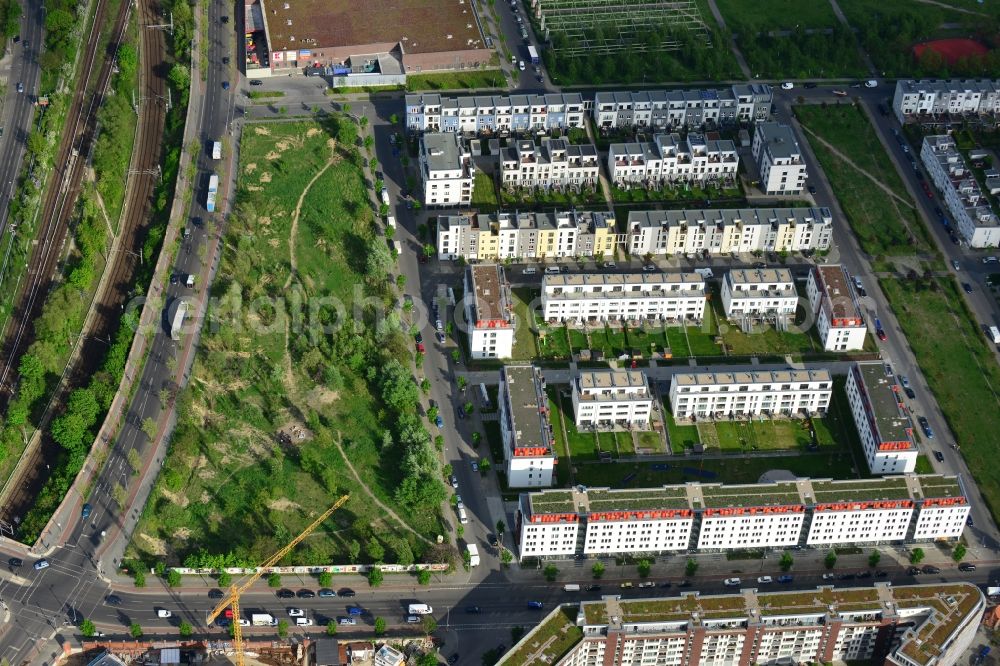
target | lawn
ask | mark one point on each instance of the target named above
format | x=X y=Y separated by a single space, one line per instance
x=609 y=340
x=484 y=195
x=651 y=442
x=582 y=445
x=486 y=78
x=765 y=15
x=681 y=436
x=279 y=399
x=562 y=451
x=883 y=224
x=647 y=340
x=959 y=367
x=525 y=348
x=766 y=435
x=553 y=342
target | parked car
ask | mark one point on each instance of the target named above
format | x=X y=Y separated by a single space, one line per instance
x=113 y=600
x=966 y=566
x=912 y=571
x=926 y=427
x=346 y=621
x=627 y=585
x=880 y=574
x=967 y=288
x=786 y=578
x=811 y=188
x=647 y=583
x=85 y=512
x=475 y=466
x=41 y=564
x=475 y=610
x=939 y=456
x=215 y=594
x=871 y=83
x=764 y=580
x=909 y=393
x=864 y=574
x=306 y=594
x=829 y=576
x=454 y=482
x=15 y=562
x=256 y=82
x=787 y=85
x=732 y=582
x=593 y=588
x=285 y=594
x=535 y=605
x=325 y=593
x=930 y=569
x=347 y=592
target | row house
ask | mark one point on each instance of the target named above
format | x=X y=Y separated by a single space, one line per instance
x=556 y=163
x=759 y=293
x=494 y=114
x=489 y=312
x=964 y=199
x=612 y=398
x=932 y=99
x=672 y=159
x=708 y=396
x=676 y=109
x=590 y=298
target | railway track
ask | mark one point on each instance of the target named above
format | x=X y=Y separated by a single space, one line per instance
x=122 y=264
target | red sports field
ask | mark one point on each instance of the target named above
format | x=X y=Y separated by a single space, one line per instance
x=952 y=49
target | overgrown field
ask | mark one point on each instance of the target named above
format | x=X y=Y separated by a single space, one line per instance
x=299 y=371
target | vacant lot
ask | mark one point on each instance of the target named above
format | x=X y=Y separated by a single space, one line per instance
x=959 y=367
x=487 y=78
x=283 y=391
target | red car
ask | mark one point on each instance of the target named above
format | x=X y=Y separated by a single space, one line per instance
x=927 y=190
x=421 y=348
x=881 y=334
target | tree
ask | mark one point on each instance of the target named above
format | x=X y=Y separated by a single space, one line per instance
x=786 y=561
x=174 y=578
x=282 y=628
x=484 y=466
x=274 y=580
x=501 y=528
x=550 y=572
x=379 y=626
x=148 y=427
x=456 y=355
x=135 y=630
x=427 y=659
x=353 y=550
x=185 y=629
x=224 y=579
x=331 y=628
x=830 y=560
x=424 y=577
x=506 y=557
x=140 y=579
x=874 y=558
x=916 y=556
x=430 y=624
x=375 y=577
x=644 y=568
x=597 y=570
x=375 y=550
x=179 y=77
x=325 y=579
x=432 y=412
x=462 y=381
x=959 y=552
x=691 y=567
x=87 y=628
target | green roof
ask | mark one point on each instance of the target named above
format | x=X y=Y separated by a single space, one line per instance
x=940 y=486
x=668 y=497
x=552 y=501
x=875 y=489
x=765 y=494
x=548 y=642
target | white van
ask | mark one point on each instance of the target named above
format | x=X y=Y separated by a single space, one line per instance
x=385 y=196
x=390 y=221
x=462 y=516
x=530 y=270
x=420 y=609
x=571 y=587
x=398 y=247
x=995 y=334
x=552 y=270
x=303 y=622
x=163 y=612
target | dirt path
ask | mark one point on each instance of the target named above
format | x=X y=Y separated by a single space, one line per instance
x=387 y=510
x=945 y=5
x=294 y=232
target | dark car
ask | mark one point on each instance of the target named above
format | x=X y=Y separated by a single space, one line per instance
x=225 y=60
x=785 y=579
x=684 y=583
x=85 y=512
x=966 y=287
x=347 y=592
x=256 y=82
x=475 y=610
x=215 y=594
x=225 y=19
x=453 y=659
x=535 y=605
x=811 y=85
x=881 y=334
x=306 y=594
x=846 y=576
x=938 y=456
x=593 y=588
x=912 y=571
x=926 y=427
x=909 y=393
x=882 y=110
x=113 y=600
x=966 y=566
x=225 y=85
x=880 y=574
x=324 y=593
x=175 y=278
x=864 y=574
x=15 y=562
x=930 y=569
x=285 y=594
x=812 y=189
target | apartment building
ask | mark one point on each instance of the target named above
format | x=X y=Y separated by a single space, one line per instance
x=934 y=99
x=555 y=163
x=883 y=424
x=526 y=236
x=524 y=425
x=446 y=169
x=722 y=395
x=969 y=207
x=612 y=399
x=494 y=114
x=728 y=231
x=759 y=293
x=489 y=312
x=901 y=625
x=671 y=159
x=589 y=298
x=712 y=517
x=834 y=304
x=677 y=109
x=779 y=159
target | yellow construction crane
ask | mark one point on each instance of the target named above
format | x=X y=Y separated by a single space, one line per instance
x=238 y=588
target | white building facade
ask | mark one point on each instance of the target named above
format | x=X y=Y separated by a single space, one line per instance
x=555 y=163
x=969 y=207
x=612 y=398
x=759 y=293
x=929 y=100
x=586 y=298
x=834 y=303
x=495 y=114
x=671 y=159
x=779 y=159
x=881 y=418
x=524 y=425
x=716 y=395
x=678 y=109
x=489 y=312
x=446 y=168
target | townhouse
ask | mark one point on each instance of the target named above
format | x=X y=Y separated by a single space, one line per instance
x=589 y=298
x=672 y=159
x=901 y=625
x=526 y=236
x=834 y=304
x=525 y=428
x=494 y=114
x=676 y=109
x=728 y=231
x=759 y=293
x=969 y=207
x=489 y=312
x=883 y=424
x=612 y=398
x=934 y=99
x=555 y=163
x=708 y=396
x=446 y=169
x=779 y=159
x=713 y=517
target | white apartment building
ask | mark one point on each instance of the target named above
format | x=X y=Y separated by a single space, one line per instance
x=779 y=159
x=969 y=207
x=556 y=163
x=524 y=424
x=389 y=656
x=881 y=419
x=671 y=159
x=587 y=298
x=526 y=236
x=728 y=231
x=610 y=398
x=714 y=517
x=759 y=293
x=446 y=168
x=721 y=395
x=931 y=100
x=495 y=114
x=676 y=109
x=489 y=312
x=898 y=625
x=833 y=302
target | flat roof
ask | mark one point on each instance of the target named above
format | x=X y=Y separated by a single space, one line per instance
x=646 y=280
x=886 y=488
x=490 y=295
x=891 y=421
x=751 y=377
x=651 y=499
x=442 y=150
x=613 y=385
x=780 y=140
x=839 y=291
x=938 y=487
x=722 y=217
x=421 y=26
x=779 y=276
x=718 y=496
x=548 y=642
x=551 y=501
x=528 y=405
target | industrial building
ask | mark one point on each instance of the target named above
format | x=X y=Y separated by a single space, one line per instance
x=881 y=418
x=529 y=458
x=612 y=399
x=707 y=396
x=489 y=312
x=590 y=298
x=969 y=206
x=670 y=159
x=759 y=293
x=668 y=110
x=779 y=159
x=834 y=304
x=494 y=114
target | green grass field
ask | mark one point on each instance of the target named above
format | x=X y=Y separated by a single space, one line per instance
x=487 y=78
x=229 y=484
x=525 y=348
x=484 y=196
x=960 y=369
x=765 y=15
